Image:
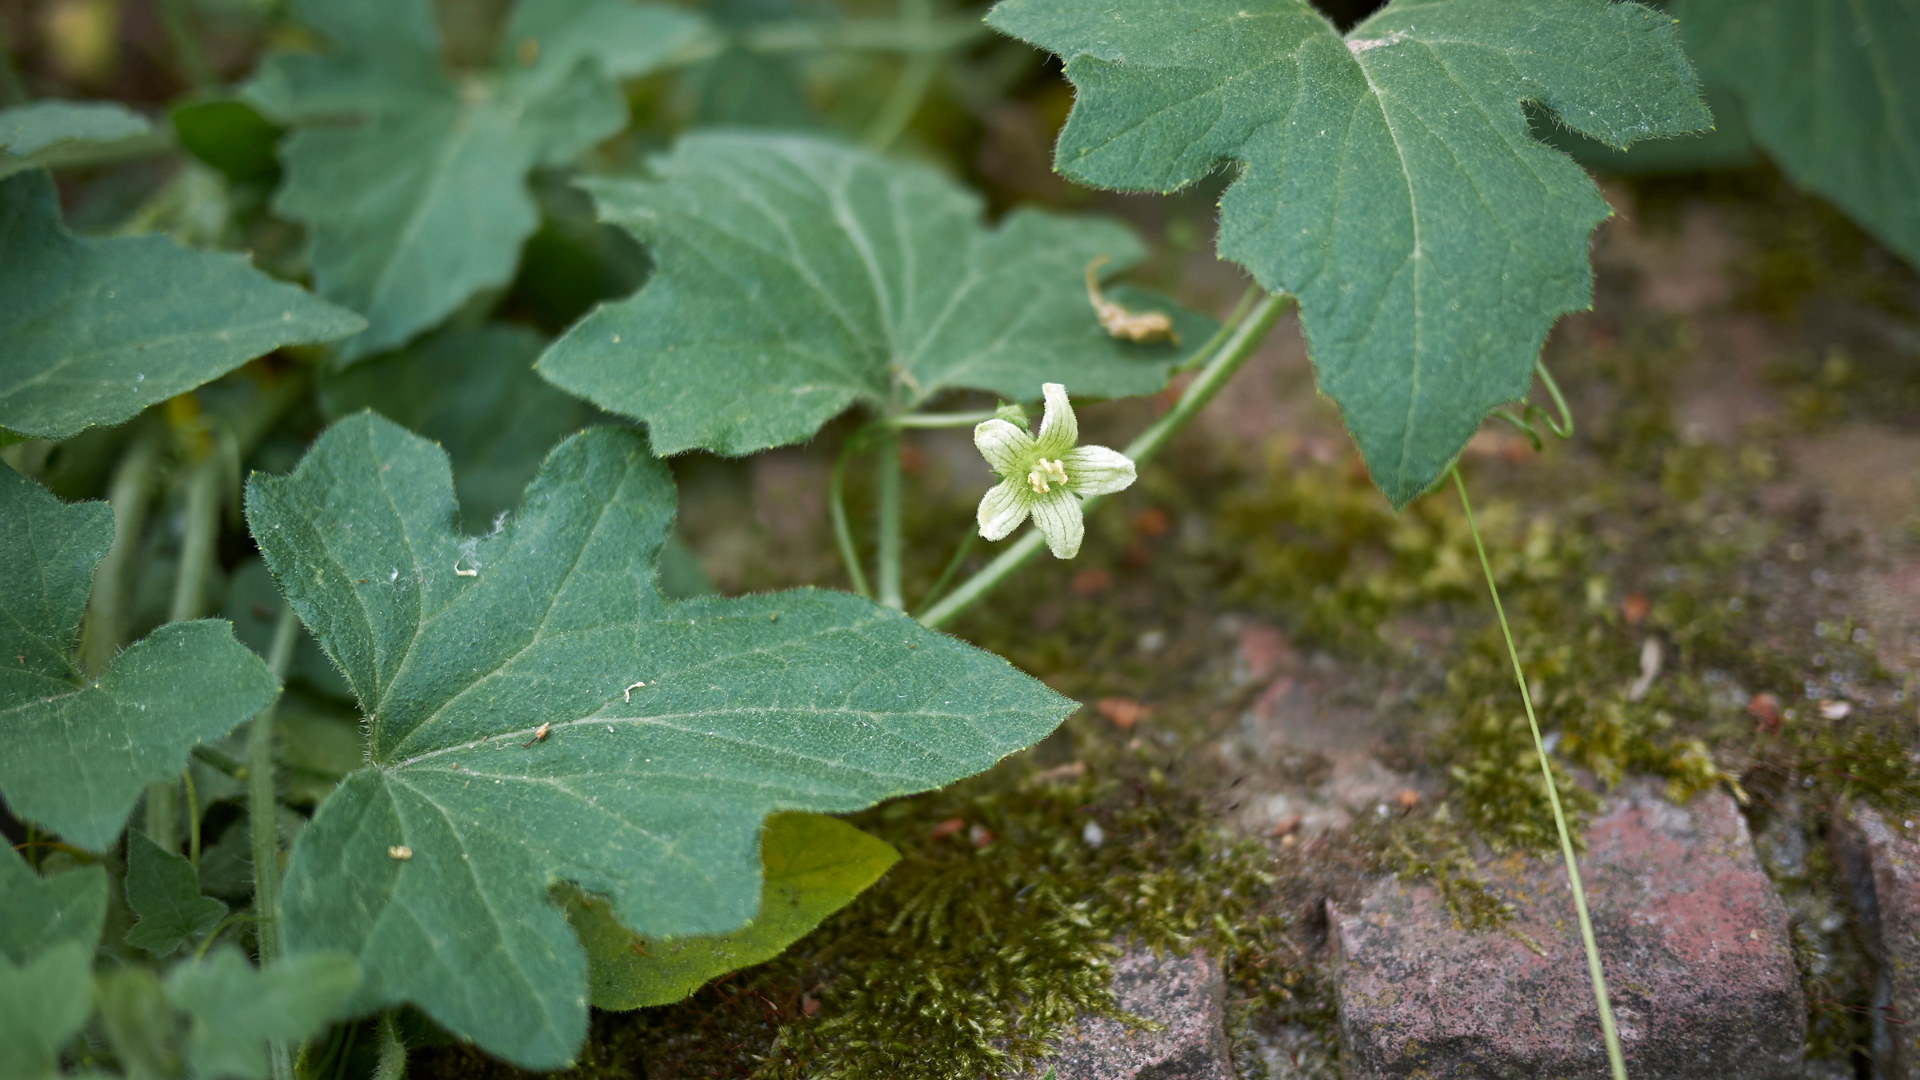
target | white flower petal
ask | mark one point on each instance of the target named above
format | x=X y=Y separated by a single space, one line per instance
x=1008 y=450
x=1002 y=509
x=1057 y=516
x=1059 y=429
x=1096 y=470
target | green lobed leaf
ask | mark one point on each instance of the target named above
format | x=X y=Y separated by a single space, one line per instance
x=473 y=392
x=163 y=889
x=96 y=330
x=80 y=752
x=235 y=1008
x=423 y=201
x=41 y=913
x=43 y=1003
x=433 y=865
x=1387 y=178
x=811 y=866
x=31 y=128
x=1832 y=91
x=795 y=276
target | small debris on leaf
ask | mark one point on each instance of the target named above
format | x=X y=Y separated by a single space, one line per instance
x=400 y=853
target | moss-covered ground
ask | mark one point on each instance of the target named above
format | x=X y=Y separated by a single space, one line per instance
x=1693 y=598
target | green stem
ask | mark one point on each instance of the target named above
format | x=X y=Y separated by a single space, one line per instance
x=1615 y=1061
x=13 y=91
x=197 y=547
x=178 y=23
x=837 y=510
x=130 y=494
x=262 y=826
x=862 y=35
x=189 y=592
x=938 y=420
x=193 y=816
x=1199 y=355
x=887 y=521
x=953 y=567
x=393 y=1052
x=1240 y=346
x=916 y=77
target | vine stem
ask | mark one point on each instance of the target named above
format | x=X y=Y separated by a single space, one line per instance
x=916 y=77
x=837 y=510
x=263 y=827
x=177 y=21
x=1235 y=352
x=130 y=493
x=887 y=539
x=1615 y=1061
x=13 y=91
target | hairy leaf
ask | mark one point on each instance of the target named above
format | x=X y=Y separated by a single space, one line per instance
x=163 y=889
x=80 y=752
x=795 y=276
x=1832 y=90
x=421 y=201
x=1388 y=178
x=473 y=392
x=44 y=912
x=43 y=1003
x=235 y=1007
x=811 y=866
x=512 y=747
x=29 y=129
x=96 y=330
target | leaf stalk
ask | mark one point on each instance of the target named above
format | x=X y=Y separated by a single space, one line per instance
x=837 y=510
x=887 y=521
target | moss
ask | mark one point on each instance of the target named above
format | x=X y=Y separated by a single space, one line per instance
x=978 y=947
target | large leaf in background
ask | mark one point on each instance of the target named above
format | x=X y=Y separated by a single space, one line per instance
x=423 y=202
x=1832 y=90
x=794 y=276
x=79 y=752
x=31 y=128
x=163 y=889
x=43 y=1003
x=1389 y=179
x=44 y=912
x=505 y=752
x=235 y=1008
x=473 y=392
x=96 y=330
x=811 y=866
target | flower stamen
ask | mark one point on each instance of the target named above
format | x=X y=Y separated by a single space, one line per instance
x=1043 y=471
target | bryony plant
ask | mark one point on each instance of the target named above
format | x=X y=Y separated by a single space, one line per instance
x=550 y=778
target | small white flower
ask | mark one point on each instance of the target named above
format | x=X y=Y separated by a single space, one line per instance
x=1046 y=475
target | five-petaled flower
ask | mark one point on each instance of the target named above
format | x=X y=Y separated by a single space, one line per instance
x=1046 y=475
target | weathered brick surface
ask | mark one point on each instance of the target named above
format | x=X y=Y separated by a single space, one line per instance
x=1693 y=939
x=1184 y=994
x=1884 y=864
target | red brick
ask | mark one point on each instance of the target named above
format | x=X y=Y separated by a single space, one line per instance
x=1692 y=937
